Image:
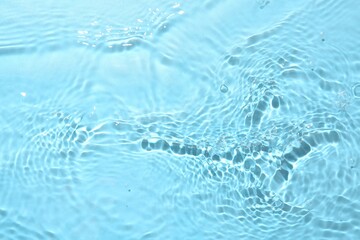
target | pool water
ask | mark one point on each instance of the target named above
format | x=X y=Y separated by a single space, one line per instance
x=235 y=119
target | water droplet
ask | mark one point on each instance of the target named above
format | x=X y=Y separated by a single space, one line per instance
x=356 y=90
x=224 y=88
x=322 y=36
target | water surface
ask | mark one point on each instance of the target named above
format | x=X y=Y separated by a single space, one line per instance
x=179 y=120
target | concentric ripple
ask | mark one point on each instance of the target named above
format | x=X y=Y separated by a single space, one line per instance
x=180 y=120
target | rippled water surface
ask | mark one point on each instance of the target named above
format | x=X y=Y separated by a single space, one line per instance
x=234 y=119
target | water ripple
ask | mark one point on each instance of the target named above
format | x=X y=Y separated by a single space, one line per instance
x=247 y=130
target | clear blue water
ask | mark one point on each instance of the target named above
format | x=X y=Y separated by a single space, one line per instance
x=180 y=120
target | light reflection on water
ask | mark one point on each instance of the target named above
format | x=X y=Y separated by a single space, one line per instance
x=179 y=120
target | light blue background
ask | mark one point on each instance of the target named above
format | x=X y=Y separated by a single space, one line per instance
x=84 y=83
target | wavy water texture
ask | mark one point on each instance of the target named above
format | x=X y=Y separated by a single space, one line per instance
x=107 y=27
x=179 y=120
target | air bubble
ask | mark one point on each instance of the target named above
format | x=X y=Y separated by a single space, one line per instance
x=224 y=88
